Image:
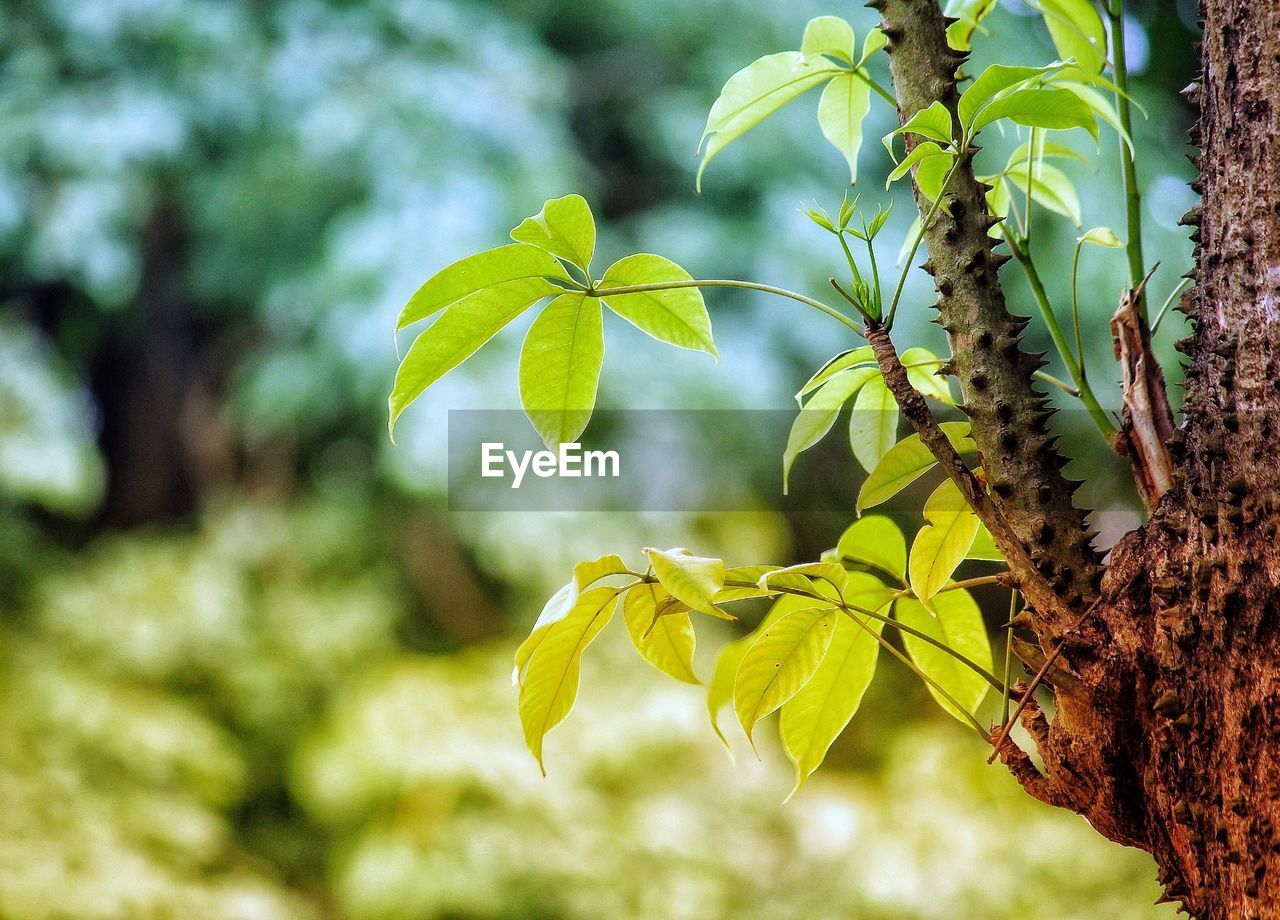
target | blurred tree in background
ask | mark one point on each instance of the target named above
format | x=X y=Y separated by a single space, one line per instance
x=227 y=689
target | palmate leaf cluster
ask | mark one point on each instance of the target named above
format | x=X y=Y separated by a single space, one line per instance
x=813 y=655
x=563 y=352
x=815 y=652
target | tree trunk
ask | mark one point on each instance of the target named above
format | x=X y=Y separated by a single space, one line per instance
x=1168 y=738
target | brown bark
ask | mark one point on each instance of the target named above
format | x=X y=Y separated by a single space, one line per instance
x=1165 y=729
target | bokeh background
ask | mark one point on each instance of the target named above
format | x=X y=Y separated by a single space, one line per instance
x=251 y=667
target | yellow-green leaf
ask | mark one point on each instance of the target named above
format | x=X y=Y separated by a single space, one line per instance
x=555 y=609
x=818 y=415
x=666 y=642
x=844 y=104
x=943 y=542
x=589 y=572
x=984 y=547
x=969 y=15
x=825 y=578
x=514 y=271
x=875 y=540
x=873 y=424
x=957 y=623
x=560 y=367
x=694 y=580
x=828 y=35
x=757 y=91
x=855 y=357
x=781 y=662
x=457 y=335
x=1077 y=32
x=906 y=462
x=677 y=316
x=550 y=683
x=922 y=370
x=817 y=714
x=744 y=573
x=564 y=227
x=720 y=689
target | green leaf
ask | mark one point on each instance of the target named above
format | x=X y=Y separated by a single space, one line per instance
x=756 y=92
x=551 y=679
x=825 y=578
x=1045 y=149
x=874 y=41
x=844 y=104
x=930 y=176
x=994 y=80
x=556 y=609
x=1099 y=105
x=818 y=415
x=812 y=719
x=875 y=540
x=984 y=547
x=560 y=367
x=780 y=662
x=828 y=35
x=1040 y=107
x=933 y=123
x=1101 y=236
x=922 y=370
x=909 y=240
x=873 y=424
x=906 y=462
x=514 y=270
x=456 y=336
x=943 y=542
x=694 y=580
x=970 y=14
x=585 y=574
x=720 y=689
x=864 y=591
x=957 y=623
x=666 y=642
x=1051 y=188
x=564 y=227
x=1077 y=32
x=842 y=362
x=744 y=573
x=677 y=317
x=922 y=151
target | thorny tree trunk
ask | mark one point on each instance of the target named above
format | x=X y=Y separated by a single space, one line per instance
x=1168 y=738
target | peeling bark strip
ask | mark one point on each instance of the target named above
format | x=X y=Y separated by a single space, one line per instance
x=1009 y=416
x=1147 y=424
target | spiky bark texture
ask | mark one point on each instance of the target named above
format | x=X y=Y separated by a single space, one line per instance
x=1165 y=730
x=1023 y=464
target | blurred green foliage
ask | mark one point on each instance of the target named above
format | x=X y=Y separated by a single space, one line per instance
x=223 y=692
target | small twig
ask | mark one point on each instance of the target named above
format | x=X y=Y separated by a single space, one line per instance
x=912 y=404
x=1036 y=681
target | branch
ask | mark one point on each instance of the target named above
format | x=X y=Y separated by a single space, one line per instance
x=1036 y=588
x=1008 y=414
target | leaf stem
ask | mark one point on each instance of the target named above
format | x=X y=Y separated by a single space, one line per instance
x=902 y=627
x=861 y=74
x=1133 y=205
x=728 y=283
x=1059 y=339
x=1169 y=301
x=924 y=227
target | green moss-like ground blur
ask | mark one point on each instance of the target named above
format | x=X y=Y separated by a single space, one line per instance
x=251 y=667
